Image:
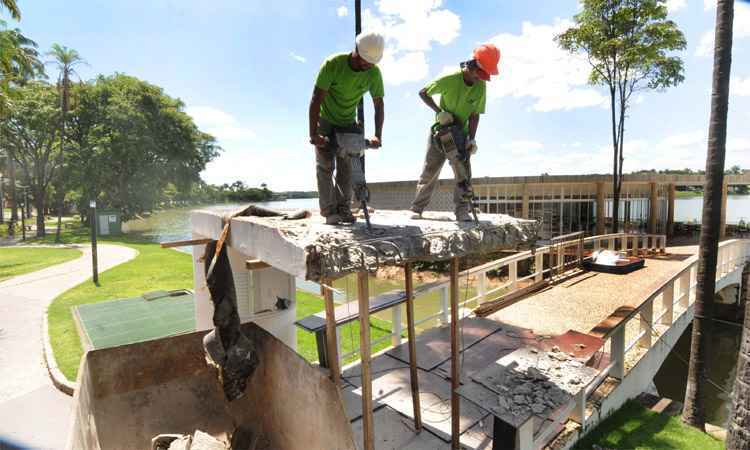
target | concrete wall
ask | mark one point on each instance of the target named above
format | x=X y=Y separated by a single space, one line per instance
x=131 y=393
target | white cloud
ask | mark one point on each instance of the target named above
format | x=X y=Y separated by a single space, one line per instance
x=532 y=65
x=410 y=29
x=342 y=11
x=522 y=146
x=740 y=86
x=675 y=5
x=741 y=27
x=222 y=125
x=297 y=57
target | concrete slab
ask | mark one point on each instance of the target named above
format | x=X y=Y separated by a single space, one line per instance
x=379 y=365
x=353 y=403
x=37 y=419
x=310 y=249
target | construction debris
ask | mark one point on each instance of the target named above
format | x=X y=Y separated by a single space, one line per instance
x=242 y=439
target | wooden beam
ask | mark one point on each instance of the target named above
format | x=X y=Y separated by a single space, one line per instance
x=363 y=295
x=455 y=369
x=487 y=308
x=256 y=264
x=185 y=243
x=332 y=354
x=411 y=335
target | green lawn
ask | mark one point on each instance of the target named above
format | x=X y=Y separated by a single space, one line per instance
x=635 y=427
x=153 y=269
x=308 y=304
x=17 y=261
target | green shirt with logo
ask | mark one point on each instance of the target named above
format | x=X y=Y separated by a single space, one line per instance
x=345 y=88
x=458 y=98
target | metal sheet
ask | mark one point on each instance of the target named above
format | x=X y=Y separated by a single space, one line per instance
x=434 y=346
x=394 y=390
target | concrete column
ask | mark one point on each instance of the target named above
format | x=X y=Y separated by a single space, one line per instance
x=723 y=225
x=670 y=209
x=652 y=209
x=524 y=201
x=601 y=221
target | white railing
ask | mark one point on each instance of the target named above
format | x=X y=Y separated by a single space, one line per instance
x=674 y=296
x=560 y=255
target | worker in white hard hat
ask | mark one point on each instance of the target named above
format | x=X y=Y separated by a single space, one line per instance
x=343 y=80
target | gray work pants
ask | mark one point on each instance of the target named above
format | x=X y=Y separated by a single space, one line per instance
x=333 y=198
x=433 y=163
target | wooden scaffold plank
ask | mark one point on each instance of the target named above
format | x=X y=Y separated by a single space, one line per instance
x=411 y=335
x=363 y=296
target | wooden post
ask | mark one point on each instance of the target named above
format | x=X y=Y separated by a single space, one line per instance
x=332 y=355
x=670 y=209
x=653 y=202
x=723 y=223
x=455 y=348
x=363 y=295
x=411 y=336
x=600 y=210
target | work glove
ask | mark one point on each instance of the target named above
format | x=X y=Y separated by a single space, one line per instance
x=471 y=146
x=445 y=118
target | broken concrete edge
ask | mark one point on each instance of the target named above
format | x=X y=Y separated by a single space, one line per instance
x=59 y=380
x=337 y=259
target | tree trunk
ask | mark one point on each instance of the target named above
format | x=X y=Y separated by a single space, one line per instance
x=615 y=171
x=738 y=430
x=694 y=411
x=12 y=184
x=60 y=187
x=39 y=205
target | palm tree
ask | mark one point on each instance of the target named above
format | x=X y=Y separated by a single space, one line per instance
x=19 y=62
x=11 y=6
x=694 y=411
x=738 y=433
x=66 y=59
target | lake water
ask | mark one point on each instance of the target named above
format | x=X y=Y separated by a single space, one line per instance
x=690 y=209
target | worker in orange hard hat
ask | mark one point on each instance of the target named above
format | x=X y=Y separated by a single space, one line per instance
x=463 y=96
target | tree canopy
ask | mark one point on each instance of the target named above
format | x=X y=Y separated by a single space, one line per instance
x=629 y=45
x=130 y=140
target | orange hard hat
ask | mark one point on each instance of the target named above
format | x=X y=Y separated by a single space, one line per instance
x=487 y=57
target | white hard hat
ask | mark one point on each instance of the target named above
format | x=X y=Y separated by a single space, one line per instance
x=370 y=46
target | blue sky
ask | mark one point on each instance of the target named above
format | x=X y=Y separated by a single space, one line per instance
x=245 y=70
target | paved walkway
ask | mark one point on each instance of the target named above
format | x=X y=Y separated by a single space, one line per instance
x=32 y=411
x=582 y=302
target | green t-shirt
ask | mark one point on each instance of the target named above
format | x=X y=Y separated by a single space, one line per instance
x=345 y=88
x=458 y=98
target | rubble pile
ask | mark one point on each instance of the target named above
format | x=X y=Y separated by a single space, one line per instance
x=242 y=439
x=536 y=384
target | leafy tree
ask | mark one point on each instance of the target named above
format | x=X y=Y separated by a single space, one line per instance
x=708 y=250
x=29 y=132
x=129 y=141
x=12 y=7
x=66 y=59
x=19 y=62
x=627 y=43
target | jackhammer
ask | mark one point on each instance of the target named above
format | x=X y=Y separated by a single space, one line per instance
x=352 y=146
x=452 y=140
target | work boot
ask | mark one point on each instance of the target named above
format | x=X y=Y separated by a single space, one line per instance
x=347 y=216
x=463 y=216
x=333 y=219
x=417 y=215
